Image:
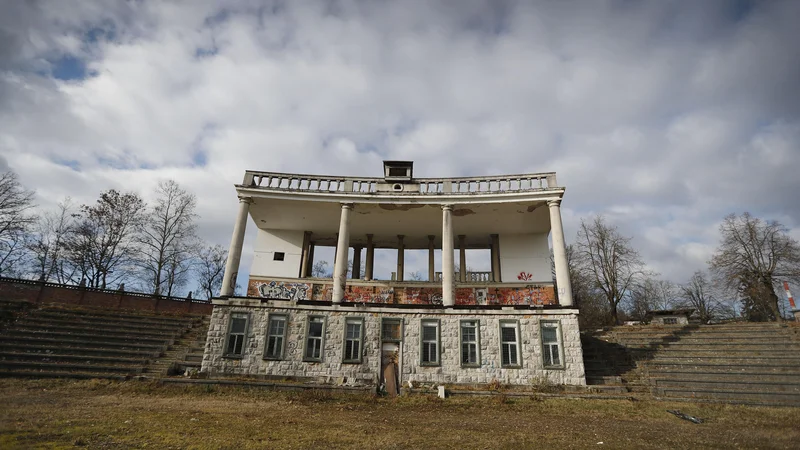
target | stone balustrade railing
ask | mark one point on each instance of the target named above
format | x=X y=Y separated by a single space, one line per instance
x=427 y=186
x=472 y=277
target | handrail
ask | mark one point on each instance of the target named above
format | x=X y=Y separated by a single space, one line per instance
x=427 y=186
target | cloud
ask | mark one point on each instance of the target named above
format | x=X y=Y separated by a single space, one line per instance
x=665 y=116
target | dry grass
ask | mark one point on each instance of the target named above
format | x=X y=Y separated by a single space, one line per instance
x=99 y=414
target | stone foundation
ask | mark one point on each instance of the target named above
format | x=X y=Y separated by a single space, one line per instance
x=531 y=370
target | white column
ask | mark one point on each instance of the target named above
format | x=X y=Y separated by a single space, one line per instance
x=560 y=254
x=496 y=258
x=462 y=258
x=401 y=261
x=357 y=262
x=340 y=265
x=235 y=250
x=431 y=260
x=448 y=268
x=370 y=258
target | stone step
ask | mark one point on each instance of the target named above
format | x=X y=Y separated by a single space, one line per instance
x=752 y=376
x=60 y=374
x=755 y=397
x=95 y=316
x=105 y=331
x=51 y=357
x=94 y=343
x=72 y=350
x=601 y=380
x=657 y=366
x=13 y=333
x=194 y=358
x=682 y=352
x=62 y=367
x=728 y=359
x=49 y=322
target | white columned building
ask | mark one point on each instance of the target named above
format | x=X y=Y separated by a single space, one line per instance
x=458 y=326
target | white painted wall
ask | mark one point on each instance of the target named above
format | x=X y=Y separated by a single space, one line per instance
x=290 y=242
x=529 y=253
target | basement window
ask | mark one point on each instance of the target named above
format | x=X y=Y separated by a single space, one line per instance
x=551 y=345
x=276 y=337
x=278 y=256
x=470 y=344
x=237 y=335
x=509 y=344
x=353 y=339
x=429 y=343
x=315 y=332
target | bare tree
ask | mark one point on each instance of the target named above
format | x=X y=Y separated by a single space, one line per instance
x=612 y=264
x=752 y=256
x=102 y=246
x=650 y=294
x=210 y=269
x=15 y=219
x=168 y=239
x=320 y=270
x=416 y=276
x=701 y=294
x=48 y=244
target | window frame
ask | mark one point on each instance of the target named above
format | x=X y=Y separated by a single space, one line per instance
x=282 y=354
x=438 y=324
x=518 y=343
x=226 y=353
x=477 y=362
x=278 y=256
x=309 y=320
x=392 y=319
x=559 y=342
x=348 y=321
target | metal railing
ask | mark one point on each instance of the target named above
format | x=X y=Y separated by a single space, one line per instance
x=472 y=277
x=104 y=291
x=427 y=186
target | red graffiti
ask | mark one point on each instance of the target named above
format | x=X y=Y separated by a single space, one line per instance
x=525 y=276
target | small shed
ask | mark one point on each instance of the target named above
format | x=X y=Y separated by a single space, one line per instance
x=670 y=316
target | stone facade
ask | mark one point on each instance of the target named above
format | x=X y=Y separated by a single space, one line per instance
x=331 y=368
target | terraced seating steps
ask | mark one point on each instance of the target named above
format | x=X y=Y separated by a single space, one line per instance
x=737 y=363
x=86 y=343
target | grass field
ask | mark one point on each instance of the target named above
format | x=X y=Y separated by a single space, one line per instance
x=100 y=414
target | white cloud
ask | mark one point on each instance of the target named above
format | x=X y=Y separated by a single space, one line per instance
x=664 y=115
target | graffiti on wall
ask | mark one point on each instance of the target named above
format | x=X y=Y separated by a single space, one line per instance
x=279 y=290
x=525 y=276
x=528 y=295
x=322 y=292
x=369 y=294
x=422 y=296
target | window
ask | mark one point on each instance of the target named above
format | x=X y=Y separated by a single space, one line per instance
x=353 y=338
x=509 y=344
x=314 y=338
x=278 y=256
x=398 y=172
x=276 y=337
x=429 y=343
x=237 y=333
x=391 y=330
x=470 y=344
x=670 y=321
x=551 y=344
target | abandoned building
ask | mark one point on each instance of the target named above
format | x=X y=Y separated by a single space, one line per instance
x=456 y=326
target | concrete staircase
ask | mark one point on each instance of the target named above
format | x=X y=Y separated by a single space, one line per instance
x=87 y=343
x=185 y=356
x=751 y=363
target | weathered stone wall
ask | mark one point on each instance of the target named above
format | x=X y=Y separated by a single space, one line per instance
x=449 y=371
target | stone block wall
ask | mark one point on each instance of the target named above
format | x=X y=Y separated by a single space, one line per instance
x=332 y=368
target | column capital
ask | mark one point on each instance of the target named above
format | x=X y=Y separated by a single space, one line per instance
x=401 y=236
x=447 y=207
x=370 y=235
x=552 y=203
x=347 y=205
x=431 y=237
x=245 y=199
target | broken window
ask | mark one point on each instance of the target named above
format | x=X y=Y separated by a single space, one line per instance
x=429 y=342
x=469 y=343
x=551 y=344
x=237 y=332
x=509 y=344
x=314 y=338
x=276 y=337
x=391 y=330
x=353 y=333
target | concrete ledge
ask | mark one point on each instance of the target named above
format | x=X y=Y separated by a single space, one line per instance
x=269 y=385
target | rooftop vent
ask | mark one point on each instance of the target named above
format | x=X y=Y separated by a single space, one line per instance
x=398 y=170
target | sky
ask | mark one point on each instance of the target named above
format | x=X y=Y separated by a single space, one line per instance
x=664 y=116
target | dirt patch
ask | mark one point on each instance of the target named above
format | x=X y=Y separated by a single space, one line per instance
x=100 y=414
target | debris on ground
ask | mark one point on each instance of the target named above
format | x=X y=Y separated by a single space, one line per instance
x=683 y=416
